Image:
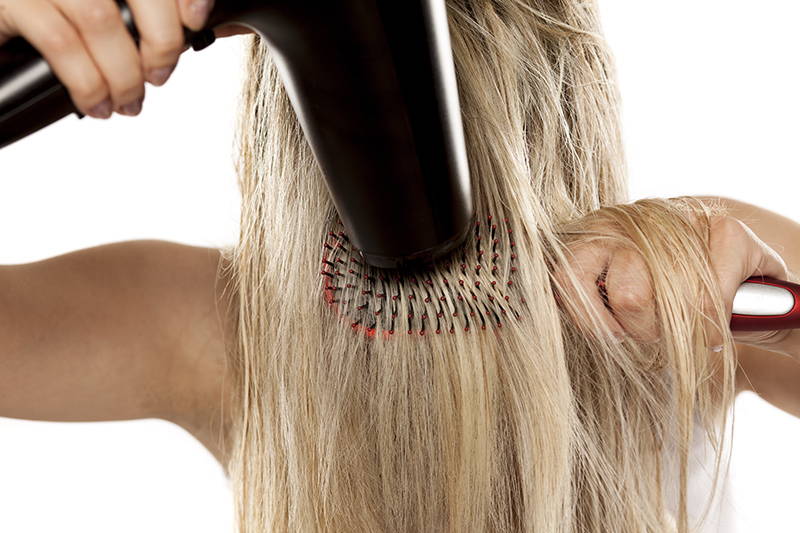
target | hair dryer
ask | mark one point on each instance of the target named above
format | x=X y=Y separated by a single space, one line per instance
x=373 y=85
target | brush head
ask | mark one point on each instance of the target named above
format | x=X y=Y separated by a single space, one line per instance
x=475 y=288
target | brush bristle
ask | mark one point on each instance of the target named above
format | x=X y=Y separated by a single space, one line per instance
x=474 y=288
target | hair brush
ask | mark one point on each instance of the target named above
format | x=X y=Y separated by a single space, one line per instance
x=477 y=288
x=471 y=289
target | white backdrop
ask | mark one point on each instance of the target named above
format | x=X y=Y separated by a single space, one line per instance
x=709 y=91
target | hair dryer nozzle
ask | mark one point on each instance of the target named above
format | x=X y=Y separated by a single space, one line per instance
x=374 y=87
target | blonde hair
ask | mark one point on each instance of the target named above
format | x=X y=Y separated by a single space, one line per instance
x=532 y=425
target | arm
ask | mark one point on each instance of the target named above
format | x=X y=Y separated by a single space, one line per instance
x=123 y=331
x=775 y=376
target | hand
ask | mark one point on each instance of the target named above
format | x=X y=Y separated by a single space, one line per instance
x=617 y=281
x=90 y=50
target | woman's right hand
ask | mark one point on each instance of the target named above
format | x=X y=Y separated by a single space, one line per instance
x=91 y=51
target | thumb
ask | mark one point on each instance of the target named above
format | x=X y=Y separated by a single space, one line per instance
x=764 y=261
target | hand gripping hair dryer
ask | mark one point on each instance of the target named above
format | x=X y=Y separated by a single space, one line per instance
x=373 y=85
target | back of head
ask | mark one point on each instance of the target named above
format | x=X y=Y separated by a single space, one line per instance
x=461 y=398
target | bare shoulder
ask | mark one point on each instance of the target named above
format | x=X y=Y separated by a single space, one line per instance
x=193 y=286
x=203 y=386
x=135 y=329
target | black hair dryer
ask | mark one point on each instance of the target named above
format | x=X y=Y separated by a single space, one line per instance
x=373 y=85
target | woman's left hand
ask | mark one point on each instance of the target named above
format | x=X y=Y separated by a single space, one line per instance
x=623 y=295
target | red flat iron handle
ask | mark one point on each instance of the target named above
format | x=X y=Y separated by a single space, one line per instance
x=763 y=303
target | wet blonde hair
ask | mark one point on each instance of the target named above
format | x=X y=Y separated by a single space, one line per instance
x=534 y=426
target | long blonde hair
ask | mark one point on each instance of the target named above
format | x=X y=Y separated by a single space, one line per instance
x=529 y=424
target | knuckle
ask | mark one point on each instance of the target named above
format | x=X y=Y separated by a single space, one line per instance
x=629 y=299
x=88 y=89
x=99 y=15
x=165 y=46
x=730 y=227
x=59 y=38
x=127 y=89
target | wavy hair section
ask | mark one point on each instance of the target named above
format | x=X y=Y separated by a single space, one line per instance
x=531 y=426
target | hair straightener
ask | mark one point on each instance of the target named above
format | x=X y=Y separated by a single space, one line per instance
x=374 y=87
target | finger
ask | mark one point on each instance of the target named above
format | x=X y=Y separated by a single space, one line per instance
x=731 y=253
x=104 y=33
x=737 y=254
x=630 y=295
x=161 y=37
x=52 y=34
x=584 y=302
x=195 y=12
x=764 y=261
x=767 y=262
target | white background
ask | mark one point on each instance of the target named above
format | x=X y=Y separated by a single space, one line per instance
x=710 y=107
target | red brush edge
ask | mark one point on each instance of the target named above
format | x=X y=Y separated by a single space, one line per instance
x=763 y=303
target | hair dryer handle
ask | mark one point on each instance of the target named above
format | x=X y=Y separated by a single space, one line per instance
x=32 y=97
x=763 y=303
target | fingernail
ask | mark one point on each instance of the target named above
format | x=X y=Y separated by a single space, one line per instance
x=101 y=110
x=132 y=108
x=717 y=348
x=199 y=10
x=158 y=76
